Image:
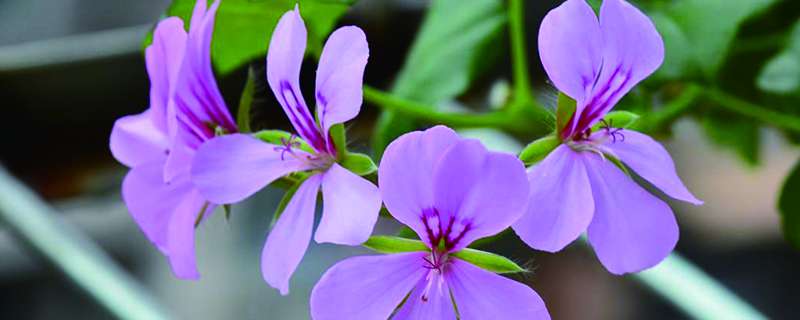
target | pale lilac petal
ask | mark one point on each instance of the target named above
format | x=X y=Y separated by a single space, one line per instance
x=405 y=174
x=436 y=305
x=571 y=50
x=366 y=287
x=230 y=168
x=198 y=102
x=480 y=294
x=284 y=58
x=179 y=161
x=651 y=161
x=163 y=60
x=632 y=230
x=482 y=192
x=181 y=236
x=632 y=50
x=288 y=240
x=166 y=213
x=561 y=206
x=340 y=76
x=135 y=140
x=152 y=202
x=351 y=206
x=198 y=13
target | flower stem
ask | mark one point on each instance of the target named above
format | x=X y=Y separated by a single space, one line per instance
x=694 y=292
x=522 y=85
x=732 y=103
x=494 y=119
x=669 y=112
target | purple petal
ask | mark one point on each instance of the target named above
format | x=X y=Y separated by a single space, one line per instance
x=480 y=294
x=198 y=102
x=632 y=230
x=230 y=168
x=351 y=206
x=198 y=13
x=651 y=161
x=284 y=58
x=405 y=174
x=560 y=206
x=632 y=50
x=135 y=140
x=179 y=161
x=366 y=287
x=436 y=304
x=571 y=49
x=163 y=59
x=288 y=240
x=340 y=76
x=180 y=236
x=158 y=208
x=482 y=192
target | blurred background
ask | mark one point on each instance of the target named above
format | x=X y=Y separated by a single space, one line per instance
x=69 y=68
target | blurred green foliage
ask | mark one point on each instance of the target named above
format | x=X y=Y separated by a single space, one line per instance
x=448 y=53
x=243 y=27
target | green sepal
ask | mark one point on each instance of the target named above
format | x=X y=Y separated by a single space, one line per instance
x=539 y=149
x=287 y=196
x=228 y=210
x=618 y=119
x=245 y=103
x=278 y=137
x=390 y=244
x=489 y=261
x=617 y=162
x=407 y=233
x=358 y=163
x=564 y=110
x=200 y=214
x=339 y=141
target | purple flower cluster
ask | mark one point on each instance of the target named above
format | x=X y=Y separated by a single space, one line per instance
x=186 y=158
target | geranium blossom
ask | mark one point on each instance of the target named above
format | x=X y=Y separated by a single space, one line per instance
x=233 y=167
x=186 y=109
x=576 y=188
x=450 y=191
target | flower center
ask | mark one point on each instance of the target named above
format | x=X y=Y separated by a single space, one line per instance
x=287 y=148
x=444 y=233
x=586 y=141
x=435 y=263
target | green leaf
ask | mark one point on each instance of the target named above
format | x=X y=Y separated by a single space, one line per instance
x=279 y=137
x=489 y=261
x=781 y=75
x=734 y=133
x=618 y=119
x=539 y=149
x=245 y=102
x=358 y=163
x=243 y=27
x=564 y=110
x=446 y=56
x=699 y=33
x=389 y=244
x=789 y=206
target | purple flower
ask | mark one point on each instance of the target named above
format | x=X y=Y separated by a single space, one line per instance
x=185 y=110
x=233 y=167
x=575 y=188
x=451 y=191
